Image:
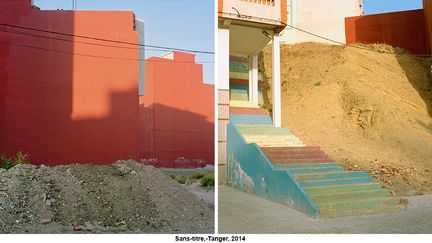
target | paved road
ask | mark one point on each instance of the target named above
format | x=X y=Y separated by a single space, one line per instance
x=242 y=213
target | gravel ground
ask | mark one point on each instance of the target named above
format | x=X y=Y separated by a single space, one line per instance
x=125 y=197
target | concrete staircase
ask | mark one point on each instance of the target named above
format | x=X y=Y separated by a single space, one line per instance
x=334 y=191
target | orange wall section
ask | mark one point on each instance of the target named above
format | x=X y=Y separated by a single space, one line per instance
x=68 y=102
x=176 y=113
x=400 y=29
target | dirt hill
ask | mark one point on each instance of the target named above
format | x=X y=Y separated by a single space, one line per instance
x=368 y=107
x=125 y=197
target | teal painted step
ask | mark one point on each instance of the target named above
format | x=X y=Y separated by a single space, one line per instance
x=251 y=119
x=343 y=181
x=239 y=91
x=236 y=87
x=349 y=196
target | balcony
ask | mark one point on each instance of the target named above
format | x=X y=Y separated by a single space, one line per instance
x=271 y=12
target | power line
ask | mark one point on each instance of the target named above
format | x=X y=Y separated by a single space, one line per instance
x=313 y=34
x=73 y=41
x=93 y=56
x=105 y=40
x=341 y=43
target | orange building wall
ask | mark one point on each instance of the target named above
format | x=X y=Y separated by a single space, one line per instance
x=176 y=113
x=400 y=29
x=68 y=102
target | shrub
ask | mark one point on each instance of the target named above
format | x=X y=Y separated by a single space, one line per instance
x=19 y=158
x=198 y=175
x=172 y=176
x=317 y=83
x=182 y=180
x=208 y=180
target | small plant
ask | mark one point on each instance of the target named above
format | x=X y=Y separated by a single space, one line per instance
x=7 y=162
x=172 y=176
x=182 y=180
x=208 y=180
x=317 y=83
x=198 y=175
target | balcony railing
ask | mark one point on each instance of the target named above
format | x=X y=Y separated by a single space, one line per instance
x=265 y=2
x=261 y=11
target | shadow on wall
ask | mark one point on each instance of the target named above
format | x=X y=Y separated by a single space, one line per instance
x=60 y=106
x=174 y=138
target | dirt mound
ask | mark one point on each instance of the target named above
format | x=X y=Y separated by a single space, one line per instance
x=368 y=109
x=125 y=197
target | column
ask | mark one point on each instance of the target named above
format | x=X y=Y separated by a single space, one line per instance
x=276 y=84
x=223 y=99
x=255 y=78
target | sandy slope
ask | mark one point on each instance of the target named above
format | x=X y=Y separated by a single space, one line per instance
x=370 y=110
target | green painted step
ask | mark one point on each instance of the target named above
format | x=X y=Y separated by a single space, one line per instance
x=328 y=182
x=349 y=196
x=342 y=188
x=312 y=170
x=361 y=211
x=237 y=96
x=327 y=208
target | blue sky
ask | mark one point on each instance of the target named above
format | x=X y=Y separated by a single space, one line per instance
x=383 y=6
x=186 y=24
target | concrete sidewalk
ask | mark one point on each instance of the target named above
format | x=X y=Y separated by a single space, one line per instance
x=242 y=213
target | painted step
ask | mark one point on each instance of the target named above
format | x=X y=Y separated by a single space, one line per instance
x=245 y=104
x=299 y=161
x=310 y=170
x=288 y=150
x=331 y=175
x=248 y=111
x=239 y=97
x=361 y=211
x=350 y=196
x=250 y=119
x=343 y=188
x=308 y=166
x=328 y=208
x=329 y=182
x=296 y=144
x=298 y=156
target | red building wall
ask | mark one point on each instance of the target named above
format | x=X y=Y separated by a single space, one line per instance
x=66 y=101
x=400 y=29
x=427 y=7
x=176 y=113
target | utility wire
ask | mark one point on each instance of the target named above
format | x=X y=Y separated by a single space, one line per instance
x=94 y=56
x=105 y=40
x=313 y=34
x=73 y=41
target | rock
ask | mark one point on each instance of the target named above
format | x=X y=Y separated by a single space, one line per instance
x=46 y=221
x=2 y=170
x=76 y=227
x=88 y=226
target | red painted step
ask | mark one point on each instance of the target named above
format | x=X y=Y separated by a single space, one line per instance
x=247 y=111
x=300 y=161
x=244 y=83
x=299 y=156
x=283 y=153
x=290 y=149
